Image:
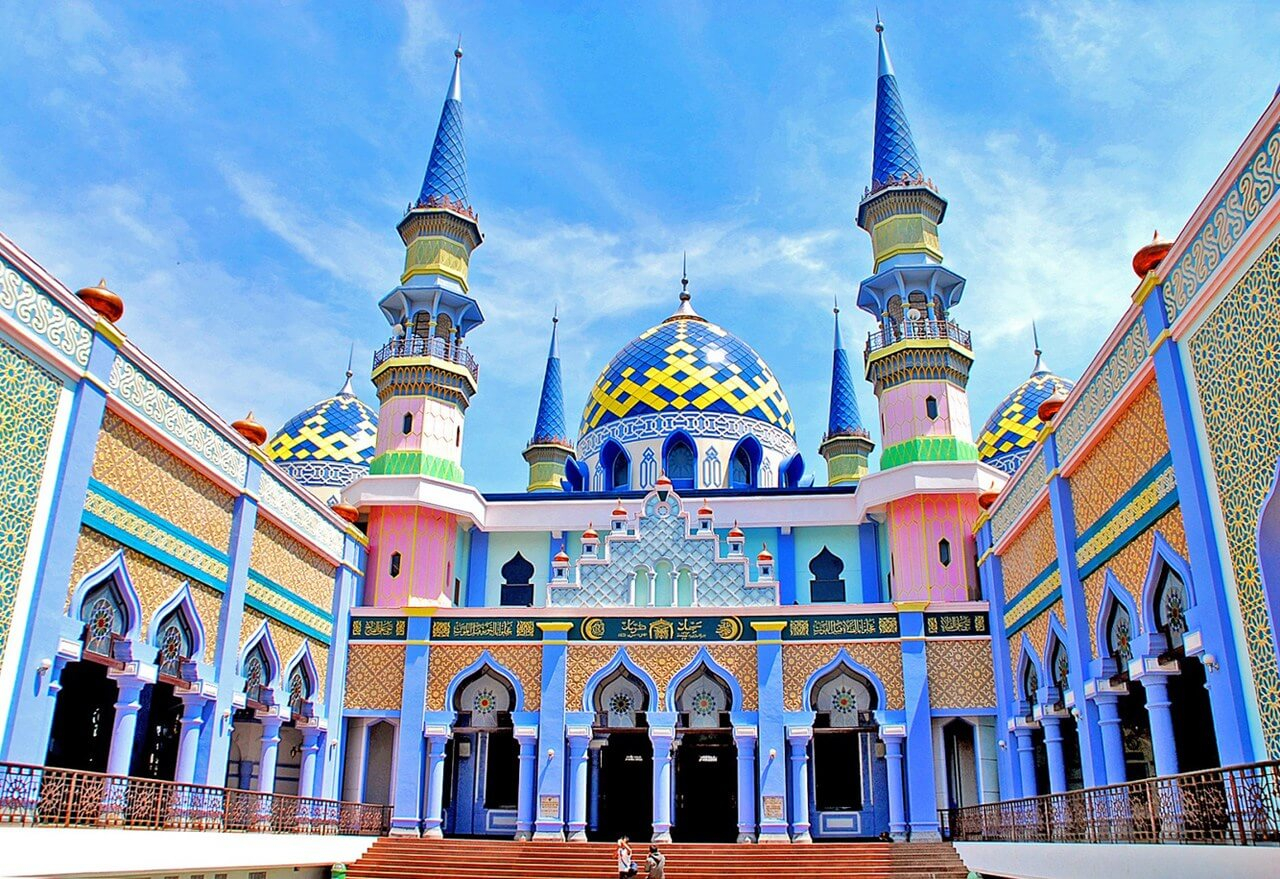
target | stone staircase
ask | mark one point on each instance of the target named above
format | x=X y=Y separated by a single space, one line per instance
x=410 y=858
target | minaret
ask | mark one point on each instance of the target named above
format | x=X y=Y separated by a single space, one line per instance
x=918 y=361
x=550 y=444
x=424 y=376
x=425 y=379
x=847 y=443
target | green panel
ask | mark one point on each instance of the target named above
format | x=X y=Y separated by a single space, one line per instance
x=415 y=464
x=928 y=448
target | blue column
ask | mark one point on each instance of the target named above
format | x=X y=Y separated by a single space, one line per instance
x=1211 y=613
x=893 y=740
x=528 y=739
x=307 y=767
x=407 y=796
x=270 y=751
x=1026 y=760
x=193 y=705
x=798 y=738
x=772 y=732
x=579 y=738
x=433 y=820
x=991 y=576
x=216 y=736
x=662 y=735
x=1112 y=737
x=35 y=691
x=1053 y=748
x=745 y=738
x=786 y=567
x=1163 y=742
x=869 y=562
x=125 y=725
x=1075 y=611
x=550 y=820
x=348 y=583
x=477 y=567
x=922 y=797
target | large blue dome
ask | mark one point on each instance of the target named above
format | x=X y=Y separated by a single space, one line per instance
x=687 y=364
x=329 y=445
x=1009 y=433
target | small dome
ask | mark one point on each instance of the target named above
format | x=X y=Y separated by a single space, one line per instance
x=590 y=534
x=705 y=510
x=562 y=557
x=619 y=512
x=1013 y=427
x=1150 y=255
x=764 y=555
x=735 y=533
x=249 y=428
x=103 y=301
x=327 y=446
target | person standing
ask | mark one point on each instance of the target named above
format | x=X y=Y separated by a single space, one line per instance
x=626 y=866
x=656 y=863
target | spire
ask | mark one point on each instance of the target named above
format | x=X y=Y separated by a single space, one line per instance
x=1039 y=368
x=685 y=309
x=347 y=390
x=844 y=417
x=894 y=151
x=550 y=426
x=447 y=169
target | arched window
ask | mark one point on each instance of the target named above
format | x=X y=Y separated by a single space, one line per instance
x=1171 y=607
x=1120 y=636
x=617 y=466
x=395 y=564
x=1060 y=668
x=422 y=324
x=843 y=702
x=175 y=642
x=744 y=466
x=301 y=689
x=931 y=407
x=257 y=674
x=702 y=699
x=406 y=424
x=944 y=551
x=621 y=699
x=678 y=461
x=827 y=584
x=444 y=327
x=517 y=582
x=1030 y=685
x=105 y=617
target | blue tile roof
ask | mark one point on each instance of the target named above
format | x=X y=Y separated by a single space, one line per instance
x=550 y=426
x=844 y=417
x=447 y=168
x=894 y=150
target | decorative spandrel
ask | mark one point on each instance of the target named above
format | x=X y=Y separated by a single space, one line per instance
x=666 y=560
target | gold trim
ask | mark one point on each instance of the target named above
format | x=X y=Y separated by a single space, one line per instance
x=1161 y=337
x=1049 y=477
x=1149 y=283
x=96 y=382
x=911 y=606
x=110 y=332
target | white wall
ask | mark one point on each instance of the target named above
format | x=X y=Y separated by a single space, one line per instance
x=44 y=851
x=1072 y=860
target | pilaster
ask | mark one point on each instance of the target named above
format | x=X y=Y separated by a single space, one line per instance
x=922 y=797
x=798 y=738
x=407 y=797
x=1053 y=748
x=550 y=820
x=662 y=732
x=745 y=738
x=347 y=583
x=893 y=737
x=991 y=576
x=772 y=733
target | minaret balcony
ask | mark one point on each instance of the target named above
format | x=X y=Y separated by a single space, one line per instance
x=919 y=330
x=435 y=347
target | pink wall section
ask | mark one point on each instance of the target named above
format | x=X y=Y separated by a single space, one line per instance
x=425 y=540
x=905 y=417
x=391 y=435
x=916 y=526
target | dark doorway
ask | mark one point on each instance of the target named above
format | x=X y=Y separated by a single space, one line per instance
x=706 y=788
x=1041 y=754
x=1197 y=743
x=625 y=792
x=837 y=770
x=962 y=765
x=1135 y=730
x=155 y=751
x=1071 y=753
x=502 y=770
x=83 y=718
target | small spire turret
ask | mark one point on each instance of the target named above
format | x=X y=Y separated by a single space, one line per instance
x=847 y=444
x=550 y=444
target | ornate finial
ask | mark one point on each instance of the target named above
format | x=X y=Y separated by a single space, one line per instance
x=1151 y=255
x=457 y=53
x=879 y=23
x=249 y=428
x=347 y=390
x=684 y=277
x=555 y=313
x=835 y=304
x=102 y=300
x=1035 y=337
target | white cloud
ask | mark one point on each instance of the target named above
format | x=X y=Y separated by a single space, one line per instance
x=424 y=31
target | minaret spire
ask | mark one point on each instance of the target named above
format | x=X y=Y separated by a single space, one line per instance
x=685 y=309
x=847 y=444
x=446 y=178
x=1040 y=368
x=550 y=445
x=895 y=150
x=347 y=390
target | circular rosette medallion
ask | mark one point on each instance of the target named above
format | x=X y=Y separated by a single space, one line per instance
x=483 y=703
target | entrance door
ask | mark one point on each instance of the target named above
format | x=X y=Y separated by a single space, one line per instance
x=706 y=789
x=82 y=718
x=625 y=792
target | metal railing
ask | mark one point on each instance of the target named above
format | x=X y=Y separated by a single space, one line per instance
x=436 y=346
x=43 y=796
x=1236 y=805
x=919 y=329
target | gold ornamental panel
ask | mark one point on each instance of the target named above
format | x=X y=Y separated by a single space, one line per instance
x=375 y=676
x=447 y=660
x=961 y=673
x=800 y=661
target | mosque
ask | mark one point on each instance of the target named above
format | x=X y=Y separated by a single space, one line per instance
x=678 y=630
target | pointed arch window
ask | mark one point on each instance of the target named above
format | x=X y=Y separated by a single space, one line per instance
x=1171 y=608
x=394 y=568
x=931 y=408
x=744 y=465
x=105 y=618
x=257 y=675
x=1030 y=686
x=517 y=582
x=1060 y=669
x=617 y=466
x=301 y=690
x=827 y=584
x=944 y=552
x=176 y=644
x=1120 y=636
x=679 y=461
x=406 y=423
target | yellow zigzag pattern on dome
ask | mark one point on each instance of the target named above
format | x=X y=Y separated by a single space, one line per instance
x=682 y=372
x=331 y=444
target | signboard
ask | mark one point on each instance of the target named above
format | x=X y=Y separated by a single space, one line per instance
x=846 y=627
x=379 y=628
x=549 y=806
x=952 y=625
x=774 y=808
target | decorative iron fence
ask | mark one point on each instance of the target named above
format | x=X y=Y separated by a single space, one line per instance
x=1235 y=805
x=919 y=329
x=42 y=796
x=436 y=346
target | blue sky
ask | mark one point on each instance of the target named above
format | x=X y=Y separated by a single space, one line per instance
x=236 y=171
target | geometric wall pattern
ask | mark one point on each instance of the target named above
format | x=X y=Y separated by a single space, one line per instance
x=884 y=658
x=28 y=403
x=661 y=662
x=284 y=560
x=1235 y=356
x=446 y=660
x=375 y=676
x=1029 y=553
x=288 y=641
x=961 y=673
